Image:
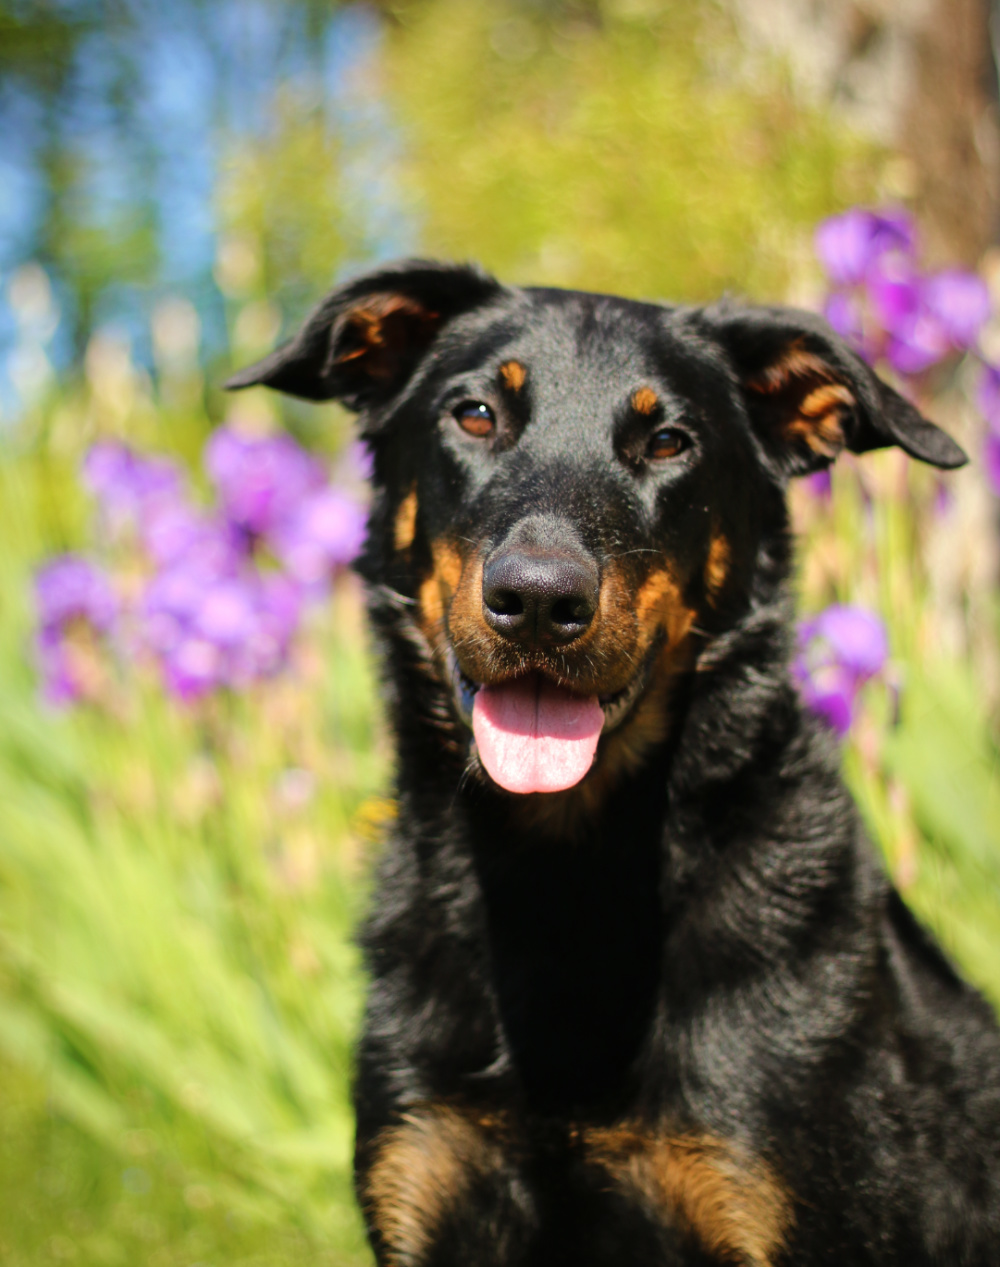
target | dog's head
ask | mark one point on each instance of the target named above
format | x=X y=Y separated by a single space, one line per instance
x=578 y=493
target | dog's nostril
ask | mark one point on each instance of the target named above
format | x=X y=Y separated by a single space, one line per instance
x=504 y=602
x=571 y=611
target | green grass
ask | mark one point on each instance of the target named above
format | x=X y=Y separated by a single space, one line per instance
x=178 y=985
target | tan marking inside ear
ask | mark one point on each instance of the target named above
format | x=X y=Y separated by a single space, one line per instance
x=645 y=400
x=405 y=524
x=422 y=1168
x=819 y=421
x=794 y=363
x=717 y=567
x=381 y=328
x=729 y=1200
x=810 y=398
x=513 y=374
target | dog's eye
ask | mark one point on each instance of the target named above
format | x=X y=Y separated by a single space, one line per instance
x=666 y=443
x=475 y=418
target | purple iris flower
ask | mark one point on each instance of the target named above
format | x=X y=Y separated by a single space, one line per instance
x=916 y=337
x=260 y=481
x=988 y=396
x=991 y=461
x=849 y=244
x=213 y=622
x=71 y=588
x=127 y=485
x=839 y=650
x=327 y=532
x=845 y=314
x=820 y=484
x=960 y=302
x=76 y=606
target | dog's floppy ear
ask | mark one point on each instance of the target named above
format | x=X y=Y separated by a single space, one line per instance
x=365 y=338
x=809 y=396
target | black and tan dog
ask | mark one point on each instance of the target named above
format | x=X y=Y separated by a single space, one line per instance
x=640 y=992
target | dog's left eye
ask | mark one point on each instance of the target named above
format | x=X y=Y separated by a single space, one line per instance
x=475 y=418
x=668 y=442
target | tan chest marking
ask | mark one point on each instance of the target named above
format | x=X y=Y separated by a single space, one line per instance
x=423 y=1167
x=731 y=1202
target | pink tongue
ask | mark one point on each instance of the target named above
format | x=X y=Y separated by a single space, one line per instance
x=534 y=736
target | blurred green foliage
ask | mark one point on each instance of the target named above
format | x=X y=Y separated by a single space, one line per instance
x=622 y=147
x=178 y=988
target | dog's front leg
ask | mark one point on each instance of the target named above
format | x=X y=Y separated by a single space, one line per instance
x=443 y=1186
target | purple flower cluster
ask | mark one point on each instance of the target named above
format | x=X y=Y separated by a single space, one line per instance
x=224 y=589
x=839 y=651
x=883 y=304
x=76 y=614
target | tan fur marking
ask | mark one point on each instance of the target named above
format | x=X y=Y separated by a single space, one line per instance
x=405 y=526
x=809 y=397
x=422 y=1168
x=382 y=327
x=645 y=400
x=795 y=363
x=717 y=567
x=437 y=590
x=513 y=374
x=659 y=604
x=825 y=400
x=729 y=1200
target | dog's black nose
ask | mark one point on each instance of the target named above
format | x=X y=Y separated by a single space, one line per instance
x=537 y=598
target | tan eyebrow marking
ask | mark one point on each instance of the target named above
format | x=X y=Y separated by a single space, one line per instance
x=513 y=374
x=645 y=400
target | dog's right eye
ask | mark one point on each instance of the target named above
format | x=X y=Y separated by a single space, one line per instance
x=475 y=418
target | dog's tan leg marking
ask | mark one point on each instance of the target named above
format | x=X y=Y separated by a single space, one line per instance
x=405 y=523
x=513 y=374
x=730 y=1201
x=423 y=1167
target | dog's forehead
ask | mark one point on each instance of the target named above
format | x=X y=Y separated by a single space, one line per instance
x=573 y=342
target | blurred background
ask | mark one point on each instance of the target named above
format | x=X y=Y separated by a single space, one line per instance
x=192 y=791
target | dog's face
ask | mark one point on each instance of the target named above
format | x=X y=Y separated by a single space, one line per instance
x=578 y=493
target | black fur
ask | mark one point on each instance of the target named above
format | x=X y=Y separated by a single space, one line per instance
x=690 y=969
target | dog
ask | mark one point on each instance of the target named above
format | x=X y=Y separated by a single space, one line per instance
x=640 y=991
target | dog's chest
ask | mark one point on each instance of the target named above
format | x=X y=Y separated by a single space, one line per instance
x=452 y=1184
x=574 y=937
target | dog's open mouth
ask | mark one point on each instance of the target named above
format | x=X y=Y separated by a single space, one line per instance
x=534 y=735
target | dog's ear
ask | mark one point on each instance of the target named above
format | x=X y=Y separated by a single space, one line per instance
x=365 y=338
x=809 y=396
